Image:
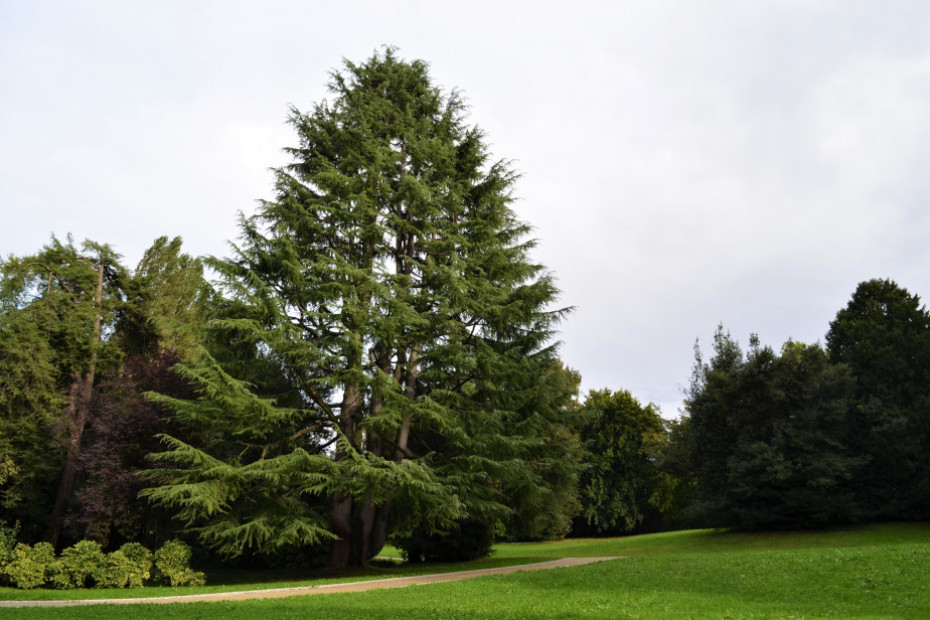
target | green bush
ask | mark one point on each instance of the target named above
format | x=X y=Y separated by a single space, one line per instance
x=115 y=571
x=172 y=563
x=85 y=563
x=78 y=565
x=7 y=543
x=470 y=541
x=141 y=559
x=30 y=566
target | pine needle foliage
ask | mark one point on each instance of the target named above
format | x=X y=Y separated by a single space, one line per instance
x=387 y=291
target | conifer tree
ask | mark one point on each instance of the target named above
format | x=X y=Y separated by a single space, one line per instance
x=766 y=437
x=389 y=284
x=883 y=337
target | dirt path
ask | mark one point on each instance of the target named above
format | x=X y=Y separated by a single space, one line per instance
x=355 y=586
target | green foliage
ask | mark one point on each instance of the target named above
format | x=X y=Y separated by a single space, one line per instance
x=68 y=315
x=116 y=571
x=55 y=293
x=167 y=295
x=85 y=564
x=29 y=403
x=381 y=363
x=8 y=542
x=620 y=476
x=766 y=437
x=674 y=483
x=141 y=563
x=469 y=540
x=543 y=493
x=55 y=308
x=883 y=337
x=31 y=565
x=172 y=565
x=78 y=565
x=859 y=573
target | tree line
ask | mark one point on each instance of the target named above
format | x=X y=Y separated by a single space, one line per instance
x=811 y=436
x=376 y=362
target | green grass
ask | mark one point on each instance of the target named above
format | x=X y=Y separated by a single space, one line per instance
x=873 y=572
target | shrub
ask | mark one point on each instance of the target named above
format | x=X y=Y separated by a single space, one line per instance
x=78 y=564
x=470 y=541
x=115 y=571
x=129 y=566
x=141 y=559
x=172 y=565
x=30 y=566
x=7 y=543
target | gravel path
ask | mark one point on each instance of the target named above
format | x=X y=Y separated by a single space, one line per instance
x=355 y=586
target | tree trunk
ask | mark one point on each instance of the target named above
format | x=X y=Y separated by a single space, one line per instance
x=403 y=435
x=76 y=416
x=340 y=551
x=341 y=516
x=364 y=522
x=378 y=536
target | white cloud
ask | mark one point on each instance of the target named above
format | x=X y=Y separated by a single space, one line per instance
x=684 y=163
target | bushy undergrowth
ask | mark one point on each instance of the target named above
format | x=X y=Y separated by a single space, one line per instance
x=172 y=565
x=86 y=565
x=471 y=541
x=31 y=565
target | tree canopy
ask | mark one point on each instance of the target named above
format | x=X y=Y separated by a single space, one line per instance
x=883 y=337
x=620 y=476
x=767 y=436
x=57 y=302
x=390 y=282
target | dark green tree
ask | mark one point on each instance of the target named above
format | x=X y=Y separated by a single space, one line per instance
x=30 y=402
x=767 y=438
x=389 y=283
x=673 y=497
x=883 y=337
x=711 y=424
x=544 y=497
x=620 y=475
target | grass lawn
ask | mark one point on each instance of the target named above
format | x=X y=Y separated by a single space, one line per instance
x=871 y=572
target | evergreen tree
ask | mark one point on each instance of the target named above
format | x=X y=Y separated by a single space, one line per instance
x=389 y=283
x=766 y=437
x=883 y=337
x=544 y=497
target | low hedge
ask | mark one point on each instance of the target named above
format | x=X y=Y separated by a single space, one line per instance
x=86 y=565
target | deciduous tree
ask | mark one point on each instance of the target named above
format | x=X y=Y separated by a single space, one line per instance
x=70 y=297
x=620 y=475
x=30 y=402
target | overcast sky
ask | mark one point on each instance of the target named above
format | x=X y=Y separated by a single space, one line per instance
x=684 y=163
